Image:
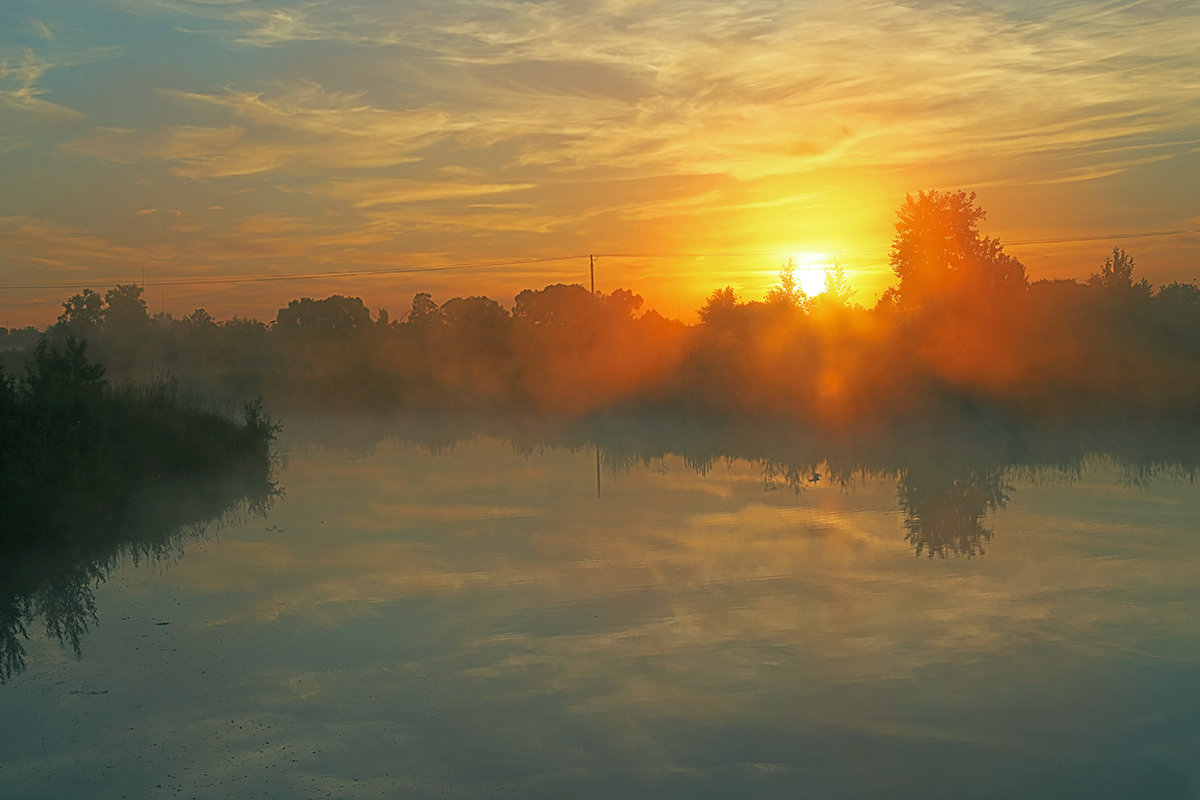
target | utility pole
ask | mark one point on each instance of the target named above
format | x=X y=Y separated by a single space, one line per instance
x=592 y=269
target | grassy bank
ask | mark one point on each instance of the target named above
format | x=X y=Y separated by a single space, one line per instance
x=75 y=450
x=91 y=474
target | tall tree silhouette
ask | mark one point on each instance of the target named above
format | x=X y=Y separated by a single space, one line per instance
x=332 y=317
x=1116 y=276
x=787 y=292
x=719 y=306
x=125 y=311
x=838 y=292
x=423 y=311
x=940 y=257
x=82 y=313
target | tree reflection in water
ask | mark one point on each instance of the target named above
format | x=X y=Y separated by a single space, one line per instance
x=944 y=508
x=950 y=474
x=51 y=560
x=948 y=479
x=944 y=503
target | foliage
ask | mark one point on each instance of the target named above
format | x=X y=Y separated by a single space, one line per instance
x=838 y=291
x=85 y=458
x=961 y=332
x=335 y=316
x=940 y=257
x=423 y=310
x=82 y=313
x=54 y=373
x=1116 y=276
x=78 y=453
x=257 y=424
x=556 y=306
x=719 y=306
x=63 y=425
x=200 y=318
x=788 y=293
x=124 y=310
x=121 y=311
x=477 y=314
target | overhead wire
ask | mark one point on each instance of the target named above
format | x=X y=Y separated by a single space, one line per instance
x=214 y=280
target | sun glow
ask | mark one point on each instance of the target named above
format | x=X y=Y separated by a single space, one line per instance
x=810 y=270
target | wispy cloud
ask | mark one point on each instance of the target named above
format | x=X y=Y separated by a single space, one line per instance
x=41 y=29
x=498 y=122
x=375 y=192
x=19 y=89
x=748 y=89
x=302 y=131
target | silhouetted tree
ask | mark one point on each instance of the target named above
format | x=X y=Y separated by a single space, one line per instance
x=889 y=300
x=461 y=356
x=334 y=316
x=125 y=313
x=556 y=306
x=1116 y=276
x=622 y=303
x=423 y=311
x=1179 y=299
x=838 y=292
x=719 y=305
x=939 y=255
x=200 y=318
x=56 y=372
x=82 y=314
x=788 y=293
x=476 y=325
x=466 y=312
x=1175 y=318
x=836 y=285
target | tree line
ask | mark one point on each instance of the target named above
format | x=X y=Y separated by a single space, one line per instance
x=962 y=330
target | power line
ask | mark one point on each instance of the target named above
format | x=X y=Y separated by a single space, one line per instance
x=1106 y=237
x=221 y=280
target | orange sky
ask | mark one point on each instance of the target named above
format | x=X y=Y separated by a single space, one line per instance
x=226 y=151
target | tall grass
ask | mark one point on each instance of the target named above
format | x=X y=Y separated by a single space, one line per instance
x=92 y=473
x=66 y=432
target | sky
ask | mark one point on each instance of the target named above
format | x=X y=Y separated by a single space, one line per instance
x=236 y=154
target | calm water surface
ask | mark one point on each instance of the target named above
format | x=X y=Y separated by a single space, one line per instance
x=478 y=622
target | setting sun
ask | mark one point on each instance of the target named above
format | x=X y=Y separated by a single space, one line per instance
x=577 y=399
x=810 y=270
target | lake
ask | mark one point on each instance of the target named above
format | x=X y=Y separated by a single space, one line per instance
x=481 y=614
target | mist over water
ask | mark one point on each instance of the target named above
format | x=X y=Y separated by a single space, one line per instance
x=440 y=606
x=943 y=547
x=445 y=398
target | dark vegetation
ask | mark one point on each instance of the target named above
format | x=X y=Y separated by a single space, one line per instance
x=962 y=376
x=49 y=571
x=62 y=424
x=91 y=474
x=961 y=333
x=962 y=342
